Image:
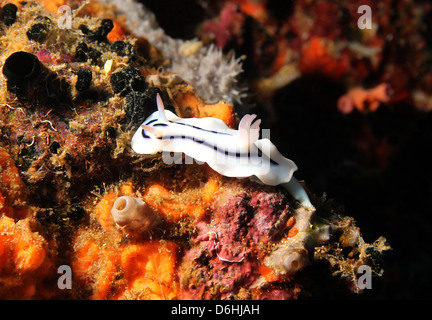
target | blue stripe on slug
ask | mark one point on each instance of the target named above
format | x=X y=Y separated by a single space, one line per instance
x=202 y=129
x=215 y=148
x=144 y=135
x=150 y=122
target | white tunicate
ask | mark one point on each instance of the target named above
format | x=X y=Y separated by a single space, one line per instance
x=294 y=262
x=133 y=213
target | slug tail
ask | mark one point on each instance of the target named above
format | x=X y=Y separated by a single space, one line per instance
x=298 y=192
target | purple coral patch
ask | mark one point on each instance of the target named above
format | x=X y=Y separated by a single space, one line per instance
x=226 y=249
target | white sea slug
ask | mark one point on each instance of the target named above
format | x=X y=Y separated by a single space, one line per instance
x=233 y=153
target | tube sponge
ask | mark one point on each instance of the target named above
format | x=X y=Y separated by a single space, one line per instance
x=134 y=214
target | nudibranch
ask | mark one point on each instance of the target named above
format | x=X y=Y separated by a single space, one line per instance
x=232 y=153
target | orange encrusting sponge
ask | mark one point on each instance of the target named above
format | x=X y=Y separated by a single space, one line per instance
x=144 y=270
x=199 y=109
x=174 y=207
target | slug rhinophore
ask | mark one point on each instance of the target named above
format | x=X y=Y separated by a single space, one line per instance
x=233 y=153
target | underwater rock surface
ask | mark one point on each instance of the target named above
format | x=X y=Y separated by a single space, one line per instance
x=67 y=116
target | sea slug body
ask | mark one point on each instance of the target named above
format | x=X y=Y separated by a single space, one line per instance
x=233 y=153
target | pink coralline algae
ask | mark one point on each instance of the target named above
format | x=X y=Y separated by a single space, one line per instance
x=43 y=55
x=276 y=295
x=227 y=28
x=228 y=247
